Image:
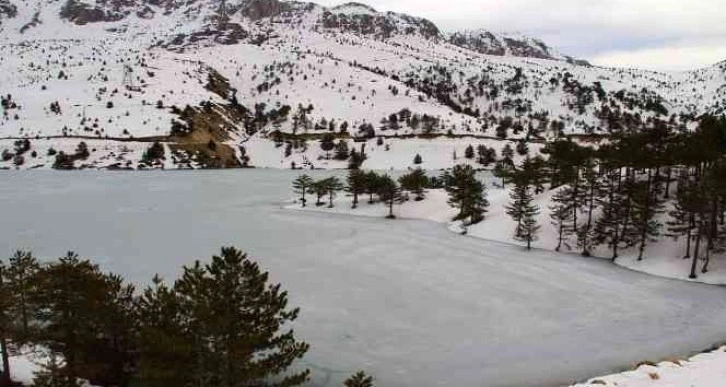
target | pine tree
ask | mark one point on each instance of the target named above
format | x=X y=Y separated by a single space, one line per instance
x=614 y=227
x=356 y=184
x=701 y=209
x=302 y=185
x=561 y=215
x=356 y=159
x=389 y=192
x=469 y=152
x=647 y=205
x=327 y=143
x=415 y=182
x=523 y=211
x=466 y=193
x=85 y=319
x=372 y=183
x=503 y=170
x=508 y=154
x=167 y=356
x=682 y=217
x=320 y=189
x=21 y=276
x=332 y=186
x=341 y=150
x=590 y=191
x=240 y=318
x=359 y=379
x=417 y=159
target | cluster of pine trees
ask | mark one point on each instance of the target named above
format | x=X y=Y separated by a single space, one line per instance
x=466 y=192
x=625 y=193
x=220 y=324
x=359 y=183
x=632 y=190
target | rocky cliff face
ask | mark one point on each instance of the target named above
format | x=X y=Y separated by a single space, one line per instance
x=489 y=43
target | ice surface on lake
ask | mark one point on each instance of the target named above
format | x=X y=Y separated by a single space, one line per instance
x=407 y=301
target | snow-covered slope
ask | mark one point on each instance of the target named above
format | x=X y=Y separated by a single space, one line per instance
x=253 y=71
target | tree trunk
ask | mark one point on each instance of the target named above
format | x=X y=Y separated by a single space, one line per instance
x=575 y=207
x=688 y=245
x=591 y=205
x=708 y=260
x=303 y=196
x=355 y=199
x=390 y=209
x=713 y=226
x=559 y=238
x=529 y=241
x=695 y=256
x=645 y=217
x=5 y=375
x=330 y=199
x=668 y=184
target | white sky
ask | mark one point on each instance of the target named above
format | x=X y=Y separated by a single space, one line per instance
x=651 y=34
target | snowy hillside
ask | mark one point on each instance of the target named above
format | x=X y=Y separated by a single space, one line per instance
x=256 y=74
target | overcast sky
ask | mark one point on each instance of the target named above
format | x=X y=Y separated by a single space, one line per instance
x=651 y=34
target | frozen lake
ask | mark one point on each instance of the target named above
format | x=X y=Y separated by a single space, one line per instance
x=407 y=301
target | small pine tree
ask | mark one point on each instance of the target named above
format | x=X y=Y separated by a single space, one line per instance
x=372 y=184
x=647 y=205
x=508 y=153
x=359 y=379
x=682 y=217
x=523 y=211
x=389 y=192
x=320 y=189
x=327 y=144
x=415 y=182
x=466 y=193
x=21 y=276
x=469 y=152
x=561 y=215
x=341 y=151
x=332 y=186
x=82 y=151
x=356 y=184
x=589 y=195
x=302 y=185
x=417 y=160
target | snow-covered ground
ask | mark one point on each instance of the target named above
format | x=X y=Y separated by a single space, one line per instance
x=703 y=370
x=405 y=300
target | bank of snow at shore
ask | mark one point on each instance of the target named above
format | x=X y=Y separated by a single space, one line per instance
x=702 y=370
x=663 y=258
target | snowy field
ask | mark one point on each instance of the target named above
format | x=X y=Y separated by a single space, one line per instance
x=406 y=300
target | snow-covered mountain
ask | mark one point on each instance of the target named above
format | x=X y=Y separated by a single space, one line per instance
x=508 y=44
x=258 y=82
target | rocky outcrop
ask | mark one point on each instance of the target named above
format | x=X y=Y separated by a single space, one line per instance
x=488 y=43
